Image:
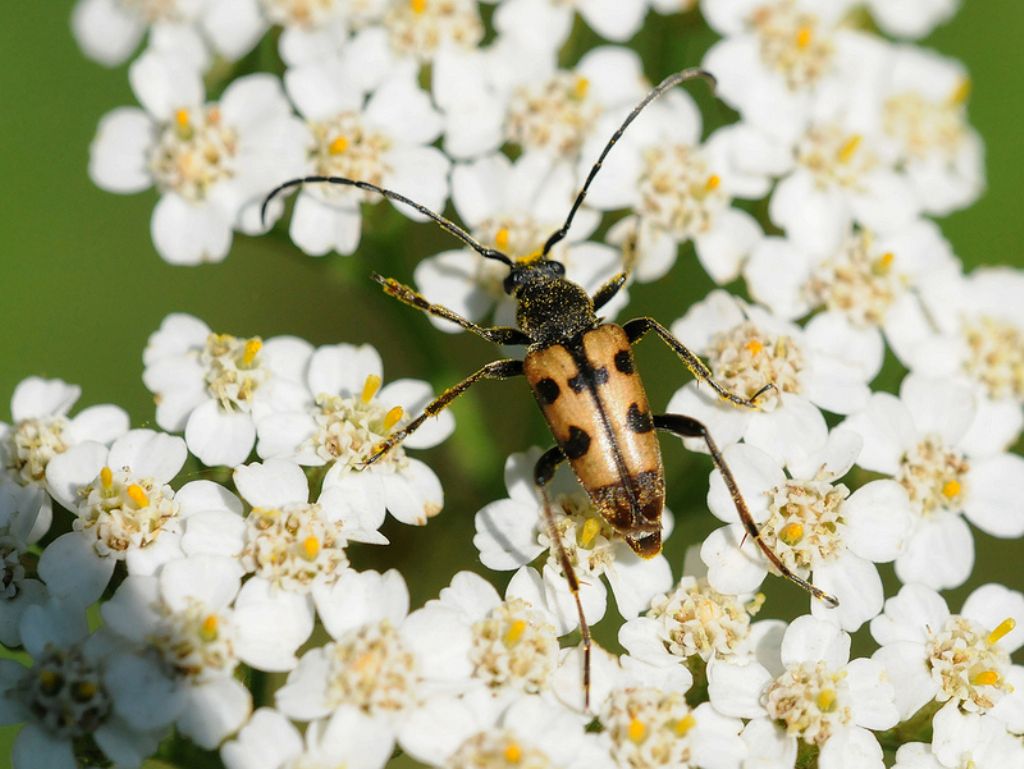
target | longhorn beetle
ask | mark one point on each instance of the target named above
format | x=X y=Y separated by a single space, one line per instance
x=583 y=376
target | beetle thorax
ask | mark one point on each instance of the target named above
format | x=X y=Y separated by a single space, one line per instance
x=553 y=309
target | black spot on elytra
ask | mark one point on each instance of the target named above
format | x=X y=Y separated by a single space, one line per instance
x=595 y=377
x=577 y=444
x=624 y=361
x=547 y=390
x=639 y=421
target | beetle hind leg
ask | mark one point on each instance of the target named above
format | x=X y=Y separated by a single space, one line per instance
x=687 y=427
x=543 y=472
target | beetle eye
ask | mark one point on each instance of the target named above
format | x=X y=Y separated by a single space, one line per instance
x=558 y=268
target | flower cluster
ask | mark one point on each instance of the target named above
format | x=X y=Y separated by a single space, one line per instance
x=229 y=612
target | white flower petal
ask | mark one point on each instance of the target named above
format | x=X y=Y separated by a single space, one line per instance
x=219 y=438
x=878 y=520
x=809 y=639
x=851 y=747
x=854 y=581
x=735 y=688
x=274 y=483
x=36 y=747
x=939 y=554
x=72 y=571
x=214 y=710
x=994 y=500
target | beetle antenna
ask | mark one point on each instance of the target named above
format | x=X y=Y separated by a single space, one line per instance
x=448 y=226
x=692 y=73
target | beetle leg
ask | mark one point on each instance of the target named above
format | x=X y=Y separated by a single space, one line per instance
x=687 y=427
x=636 y=330
x=499 y=369
x=543 y=472
x=496 y=334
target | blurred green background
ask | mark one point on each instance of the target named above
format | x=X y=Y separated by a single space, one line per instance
x=83 y=287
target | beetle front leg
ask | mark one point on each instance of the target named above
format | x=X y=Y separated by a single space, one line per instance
x=543 y=472
x=499 y=369
x=687 y=427
x=636 y=330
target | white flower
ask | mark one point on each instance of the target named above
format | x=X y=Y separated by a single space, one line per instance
x=385 y=141
x=922 y=112
x=968 y=739
x=269 y=741
x=63 y=697
x=41 y=429
x=918 y=439
x=545 y=24
x=512 y=532
x=124 y=511
x=18 y=591
x=971 y=329
x=678 y=189
x=748 y=348
x=813 y=692
x=912 y=18
x=962 y=659
x=216 y=387
x=812 y=522
x=110 y=31
x=345 y=414
x=383 y=661
x=867 y=285
x=188 y=643
x=469 y=734
x=308 y=31
x=211 y=162
x=514 y=207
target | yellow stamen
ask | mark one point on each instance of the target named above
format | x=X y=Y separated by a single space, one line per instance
x=83 y=691
x=713 y=183
x=804 y=36
x=181 y=117
x=515 y=631
x=849 y=148
x=50 y=680
x=418 y=6
x=252 y=349
x=310 y=547
x=1003 y=629
x=392 y=417
x=501 y=239
x=208 y=630
x=107 y=477
x=338 y=146
x=754 y=347
x=636 y=730
x=138 y=495
x=961 y=92
x=986 y=678
x=951 y=489
x=591 y=528
x=513 y=753
x=883 y=264
x=370 y=387
x=792 y=533
x=580 y=88
x=685 y=724
x=827 y=700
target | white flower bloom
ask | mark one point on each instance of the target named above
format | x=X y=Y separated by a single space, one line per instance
x=776 y=56
x=546 y=24
x=968 y=739
x=470 y=734
x=124 y=511
x=308 y=30
x=678 y=189
x=922 y=113
x=18 y=591
x=385 y=141
x=63 y=697
x=383 y=661
x=348 y=738
x=866 y=286
x=814 y=692
x=109 y=31
x=918 y=439
x=962 y=659
x=211 y=162
x=42 y=429
x=971 y=329
x=514 y=207
x=344 y=415
x=912 y=18
x=188 y=643
x=813 y=523
x=512 y=532
x=748 y=348
x=216 y=387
